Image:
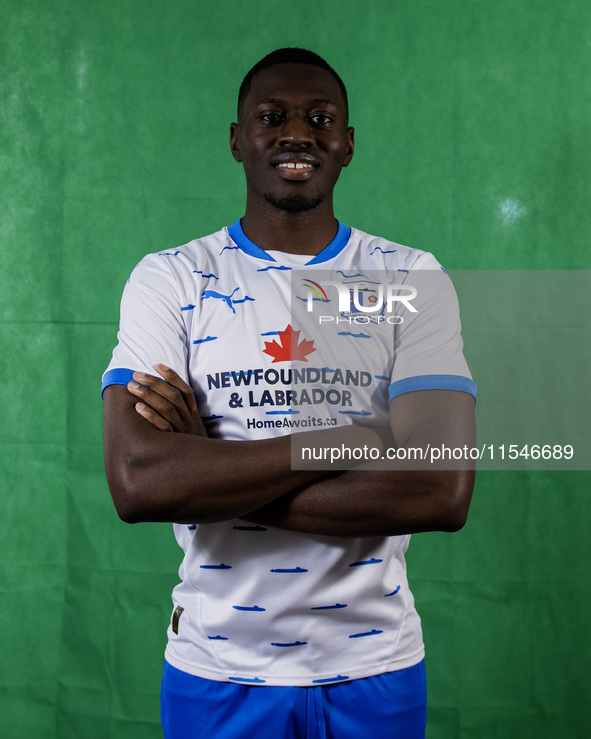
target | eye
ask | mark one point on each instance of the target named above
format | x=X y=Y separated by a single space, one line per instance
x=321 y=119
x=271 y=117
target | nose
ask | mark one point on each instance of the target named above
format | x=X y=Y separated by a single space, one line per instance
x=296 y=131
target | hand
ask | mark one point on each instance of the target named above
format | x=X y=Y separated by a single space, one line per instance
x=168 y=405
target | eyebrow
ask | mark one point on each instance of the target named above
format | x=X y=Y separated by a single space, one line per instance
x=279 y=101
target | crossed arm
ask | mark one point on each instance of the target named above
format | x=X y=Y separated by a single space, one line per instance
x=161 y=466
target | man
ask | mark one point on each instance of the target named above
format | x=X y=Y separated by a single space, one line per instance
x=293 y=617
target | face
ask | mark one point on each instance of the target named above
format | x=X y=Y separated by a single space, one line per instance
x=292 y=137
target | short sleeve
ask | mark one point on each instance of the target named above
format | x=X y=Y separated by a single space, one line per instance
x=151 y=328
x=428 y=350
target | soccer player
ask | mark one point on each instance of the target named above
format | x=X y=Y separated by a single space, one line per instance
x=293 y=617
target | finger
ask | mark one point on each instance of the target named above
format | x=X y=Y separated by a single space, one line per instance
x=181 y=397
x=150 y=415
x=174 y=379
x=186 y=390
x=176 y=390
x=162 y=404
x=163 y=388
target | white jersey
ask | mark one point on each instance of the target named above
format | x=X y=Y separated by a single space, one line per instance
x=262 y=605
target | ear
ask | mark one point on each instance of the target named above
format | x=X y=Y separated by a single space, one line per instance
x=235 y=141
x=350 y=146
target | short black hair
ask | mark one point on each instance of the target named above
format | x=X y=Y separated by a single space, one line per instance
x=288 y=55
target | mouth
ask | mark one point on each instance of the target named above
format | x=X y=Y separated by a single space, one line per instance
x=295 y=167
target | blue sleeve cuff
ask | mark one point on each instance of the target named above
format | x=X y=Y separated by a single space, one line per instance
x=116 y=377
x=432 y=382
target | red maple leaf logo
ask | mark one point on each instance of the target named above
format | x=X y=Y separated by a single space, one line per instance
x=290 y=348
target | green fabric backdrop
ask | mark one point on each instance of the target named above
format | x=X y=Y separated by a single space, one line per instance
x=472 y=138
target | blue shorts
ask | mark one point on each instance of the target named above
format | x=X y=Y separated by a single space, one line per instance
x=392 y=705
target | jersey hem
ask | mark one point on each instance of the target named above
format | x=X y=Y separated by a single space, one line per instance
x=329 y=252
x=299 y=681
x=117 y=376
x=432 y=382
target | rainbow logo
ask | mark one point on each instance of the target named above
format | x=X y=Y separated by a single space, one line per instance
x=318 y=289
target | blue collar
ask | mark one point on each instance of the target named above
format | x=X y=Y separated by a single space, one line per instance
x=329 y=252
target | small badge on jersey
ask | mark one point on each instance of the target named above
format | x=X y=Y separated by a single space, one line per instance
x=176 y=617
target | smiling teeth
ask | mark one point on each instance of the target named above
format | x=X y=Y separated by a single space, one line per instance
x=296 y=165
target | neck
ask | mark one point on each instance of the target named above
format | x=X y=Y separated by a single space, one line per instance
x=297 y=233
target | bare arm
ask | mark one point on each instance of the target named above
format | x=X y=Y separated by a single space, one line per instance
x=399 y=499
x=187 y=477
